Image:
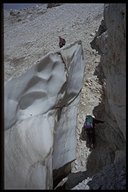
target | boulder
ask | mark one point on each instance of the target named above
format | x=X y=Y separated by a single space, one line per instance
x=50 y=5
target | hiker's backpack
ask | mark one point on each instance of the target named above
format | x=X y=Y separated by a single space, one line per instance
x=88 y=122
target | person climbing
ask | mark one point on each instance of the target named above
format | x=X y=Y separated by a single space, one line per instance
x=61 y=42
x=89 y=127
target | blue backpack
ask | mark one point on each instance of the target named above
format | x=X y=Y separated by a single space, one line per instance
x=88 y=122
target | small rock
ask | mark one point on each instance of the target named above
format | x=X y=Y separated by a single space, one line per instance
x=93 y=51
x=97 y=60
x=19 y=20
x=92 y=34
x=76 y=162
x=76 y=166
x=82 y=163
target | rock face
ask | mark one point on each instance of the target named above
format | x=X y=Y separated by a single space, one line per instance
x=111 y=177
x=41 y=118
x=110 y=42
x=107 y=162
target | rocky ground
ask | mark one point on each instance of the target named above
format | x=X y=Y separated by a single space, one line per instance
x=31 y=33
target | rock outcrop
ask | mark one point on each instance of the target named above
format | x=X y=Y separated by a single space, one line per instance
x=41 y=118
x=111 y=177
x=110 y=42
x=50 y=5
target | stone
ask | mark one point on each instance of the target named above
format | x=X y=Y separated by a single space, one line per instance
x=97 y=60
x=50 y=5
x=74 y=179
x=92 y=34
x=110 y=42
x=108 y=179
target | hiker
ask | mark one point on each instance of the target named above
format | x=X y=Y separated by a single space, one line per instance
x=61 y=42
x=89 y=127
